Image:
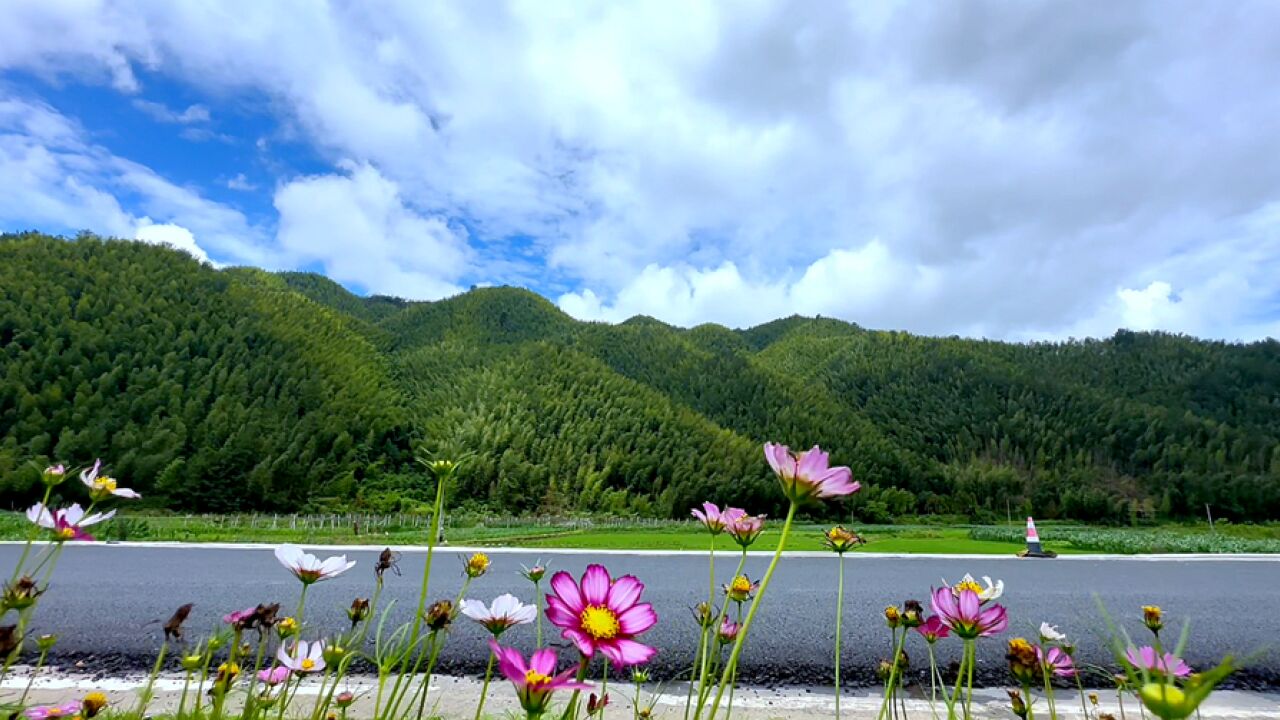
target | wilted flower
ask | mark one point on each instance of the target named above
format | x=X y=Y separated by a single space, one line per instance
x=932 y=629
x=102 y=487
x=603 y=615
x=964 y=614
x=506 y=611
x=1049 y=633
x=839 y=540
x=807 y=475
x=21 y=594
x=536 y=679
x=1016 y=703
x=1024 y=660
x=704 y=614
x=239 y=618
x=991 y=592
x=912 y=614
x=358 y=611
x=439 y=615
x=745 y=529
x=52 y=712
x=477 y=565
x=728 y=631
x=1146 y=658
x=1153 y=618
x=740 y=588
x=274 y=676
x=310 y=569
x=66 y=523
x=892 y=617
x=54 y=475
x=387 y=560
x=286 y=627
x=715 y=519
x=534 y=574
x=93 y=703
x=344 y=699
x=9 y=639
x=595 y=705
x=173 y=626
x=305 y=657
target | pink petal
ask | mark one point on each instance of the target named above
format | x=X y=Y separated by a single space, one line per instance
x=637 y=619
x=595 y=585
x=580 y=639
x=610 y=650
x=812 y=464
x=560 y=615
x=624 y=593
x=699 y=515
x=543 y=661
x=634 y=653
x=994 y=619
x=836 y=482
x=969 y=605
x=562 y=584
x=779 y=458
x=944 y=603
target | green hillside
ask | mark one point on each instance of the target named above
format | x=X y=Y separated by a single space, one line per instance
x=240 y=389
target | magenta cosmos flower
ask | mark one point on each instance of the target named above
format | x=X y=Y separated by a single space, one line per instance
x=933 y=629
x=1057 y=662
x=964 y=613
x=602 y=615
x=715 y=519
x=50 y=712
x=537 y=679
x=807 y=475
x=1146 y=658
x=66 y=523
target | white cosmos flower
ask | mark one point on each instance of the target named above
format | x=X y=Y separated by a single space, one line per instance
x=102 y=487
x=506 y=611
x=309 y=568
x=987 y=594
x=1049 y=633
x=305 y=658
x=66 y=523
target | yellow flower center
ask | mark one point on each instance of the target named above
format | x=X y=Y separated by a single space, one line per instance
x=308 y=664
x=740 y=584
x=107 y=484
x=600 y=622
x=66 y=533
x=53 y=712
x=967 y=585
x=535 y=678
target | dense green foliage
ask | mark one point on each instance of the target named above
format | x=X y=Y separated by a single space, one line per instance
x=238 y=388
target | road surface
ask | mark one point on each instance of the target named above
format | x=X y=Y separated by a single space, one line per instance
x=105 y=601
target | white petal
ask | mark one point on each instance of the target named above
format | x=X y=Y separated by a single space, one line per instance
x=290 y=556
x=505 y=604
x=95 y=518
x=73 y=515
x=127 y=493
x=40 y=515
x=525 y=615
x=317 y=653
x=475 y=610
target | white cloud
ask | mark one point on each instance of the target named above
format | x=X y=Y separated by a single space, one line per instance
x=175 y=236
x=872 y=162
x=360 y=229
x=161 y=113
x=241 y=183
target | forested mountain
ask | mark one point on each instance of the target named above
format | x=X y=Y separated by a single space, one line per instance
x=241 y=389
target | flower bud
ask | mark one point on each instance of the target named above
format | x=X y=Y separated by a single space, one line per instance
x=442 y=468
x=639 y=677
x=21 y=594
x=45 y=643
x=840 y=541
x=333 y=654
x=358 y=611
x=286 y=628
x=1153 y=618
x=535 y=573
x=912 y=614
x=892 y=617
x=704 y=615
x=439 y=615
x=344 y=699
x=93 y=703
x=477 y=565
x=54 y=475
x=192 y=663
x=1017 y=704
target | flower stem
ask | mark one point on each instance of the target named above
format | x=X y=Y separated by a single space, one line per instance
x=537 y=603
x=704 y=679
x=31 y=537
x=891 y=687
x=571 y=710
x=32 y=678
x=1026 y=691
x=484 y=689
x=732 y=665
x=839 y=617
x=972 y=649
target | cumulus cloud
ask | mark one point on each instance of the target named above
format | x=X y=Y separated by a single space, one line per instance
x=1018 y=170
x=175 y=236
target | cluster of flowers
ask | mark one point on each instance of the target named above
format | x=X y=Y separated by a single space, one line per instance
x=261 y=658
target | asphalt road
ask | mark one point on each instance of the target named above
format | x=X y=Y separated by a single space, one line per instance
x=105 y=602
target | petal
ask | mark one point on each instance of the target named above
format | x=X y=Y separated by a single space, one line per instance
x=637 y=619
x=812 y=463
x=969 y=604
x=836 y=482
x=559 y=614
x=289 y=556
x=624 y=593
x=595 y=585
x=510 y=662
x=944 y=603
x=127 y=494
x=634 y=653
x=73 y=515
x=994 y=620
x=544 y=661
x=580 y=639
x=524 y=615
x=780 y=459
x=609 y=648
x=95 y=518
x=475 y=610
x=563 y=585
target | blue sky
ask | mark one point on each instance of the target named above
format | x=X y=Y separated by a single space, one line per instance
x=1011 y=170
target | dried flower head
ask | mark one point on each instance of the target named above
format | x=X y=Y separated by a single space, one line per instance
x=173 y=626
x=439 y=615
x=21 y=594
x=1017 y=704
x=9 y=639
x=387 y=560
x=912 y=614
x=358 y=611
x=892 y=616
x=1024 y=661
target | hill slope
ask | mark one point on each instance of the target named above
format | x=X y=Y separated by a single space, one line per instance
x=240 y=388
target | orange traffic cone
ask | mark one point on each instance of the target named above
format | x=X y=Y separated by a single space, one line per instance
x=1033 y=543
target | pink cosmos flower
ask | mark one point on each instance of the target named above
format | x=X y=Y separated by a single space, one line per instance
x=52 y=712
x=745 y=529
x=602 y=614
x=728 y=631
x=274 y=676
x=1057 y=662
x=1146 y=658
x=965 y=614
x=66 y=523
x=537 y=679
x=932 y=629
x=716 y=519
x=305 y=658
x=807 y=475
